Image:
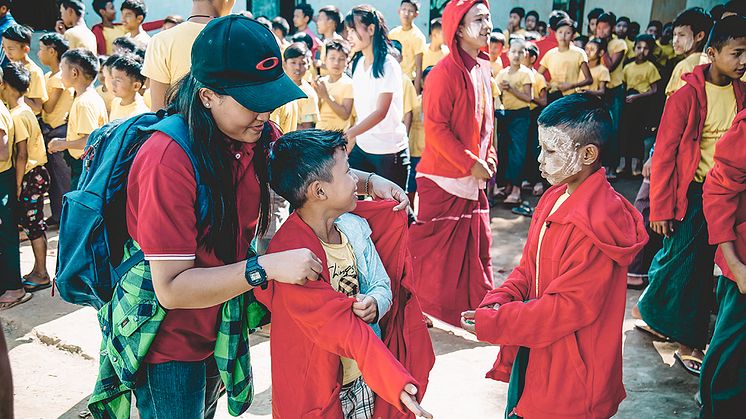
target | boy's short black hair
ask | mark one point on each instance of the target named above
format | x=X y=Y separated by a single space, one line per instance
x=623 y=19
x=697 y=19
x=304 y=38
x=497 y=38
x=131 y=65
x=436 y=24
x=301 y=157
x=532 y=49
x=541 y=24
x=126 y=43
x=582 y=39
x=556 y=16
x=282 y=24
x=731 y=27
x=99 y=5
x=595 y=13
x=585 y=117
x=57 y=42
x=608 y=18
x=338 y=45
x=16 y=76
x=520 y=11
x=414 y=3
x=109 y=61
x=307 y=10
x=533 y=13
x=19 y=33
x=77 y=6
x=657 y=24
x=564 y=22
x=649 y=39
x=333 y=13
x=634 y=27
x=602 y=44
x=295 y=50
x=736 y=6
x=137 y=7
x=85 y=60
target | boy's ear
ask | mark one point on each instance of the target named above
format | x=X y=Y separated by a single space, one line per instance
x=315 y=192
x=699 y=37
x=589 y=154
x=26 y=48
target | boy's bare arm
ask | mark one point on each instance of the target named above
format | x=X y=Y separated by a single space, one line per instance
x=35 y=104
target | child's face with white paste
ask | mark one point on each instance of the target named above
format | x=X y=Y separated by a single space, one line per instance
x=560 y=155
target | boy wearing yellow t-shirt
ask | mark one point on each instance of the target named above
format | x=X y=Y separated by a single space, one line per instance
x=497 y=44
x=32 y=178
x=436 y=49
x=335 y=89
x=515 y=83
x=413 y=41
x=88 y=112
x=596 y=49
x=127 y=82
x=416 y=142
x=690 y=31
x=105 y=87
x=640 y=78
x=297 y=61
x=531 y=175
x=566 y=63
x=17 y=44
x=73 y=26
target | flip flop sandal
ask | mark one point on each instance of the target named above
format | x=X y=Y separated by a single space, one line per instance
x=684 y=359
x=524 y=209
x=27 y=296
x=31 y=286
x=643 y=327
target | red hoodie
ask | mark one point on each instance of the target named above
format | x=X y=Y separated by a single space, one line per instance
x=724 y=195
x=573 y=323
x=677 y=151
x=452 y=131
x=313 y=325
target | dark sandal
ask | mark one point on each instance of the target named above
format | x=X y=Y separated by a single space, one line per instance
x=31 y=286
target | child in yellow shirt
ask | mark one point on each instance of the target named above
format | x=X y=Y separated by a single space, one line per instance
x=416 y=142
x=436 y=49
x=566 y=63
x=413 y=41
x=497 y=44
x=690 y=30
x=531 y=175
x=88 y=112
x=297 y=61
x=515 y=84
x=640 y=78
x=105 y=87
x=32 y=178
x=17 y=44
x=596 y=49
x=335 y=89
x=127 y=80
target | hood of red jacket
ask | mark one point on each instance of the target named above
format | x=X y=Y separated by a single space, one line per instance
x=452 y=15
x=696 y=79
x=610 y=220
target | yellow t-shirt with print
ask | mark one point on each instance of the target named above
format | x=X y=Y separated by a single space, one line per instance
x=721 y=111
x=683 y=67
x=308 y=107
x=539 y=84
x=339 y=91
x=80 y=36
x=343 y=275
x=286 y=117
x=87 y=114
x=27 y=128
x=417 y=130
x=137 y=107
x=58 y=116
x=6 y=125
x=600 y=74
x=110 y=34
x=640 y=76
x=413 y=42
x=517 y=80
x=430 y=57
x=615 y=46
x=37 y=88
x=564 y=66
x=169 y=54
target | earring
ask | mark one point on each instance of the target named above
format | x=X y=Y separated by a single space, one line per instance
x=207 y=105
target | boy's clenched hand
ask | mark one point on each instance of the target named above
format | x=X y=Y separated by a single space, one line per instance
x=366 y=307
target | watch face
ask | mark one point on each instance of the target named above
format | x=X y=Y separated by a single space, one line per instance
x=256 y=277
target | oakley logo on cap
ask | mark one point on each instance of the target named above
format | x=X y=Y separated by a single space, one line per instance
x=268 y=63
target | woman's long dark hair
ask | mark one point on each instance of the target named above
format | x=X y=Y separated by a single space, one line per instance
x=219 y=231
x=367 y=15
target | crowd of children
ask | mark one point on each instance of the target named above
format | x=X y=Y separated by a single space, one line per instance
x=588 y=105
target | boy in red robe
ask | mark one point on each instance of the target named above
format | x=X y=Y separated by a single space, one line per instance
x=722 y=383
x=328 y=359
x=450 y=242
x=565 y=301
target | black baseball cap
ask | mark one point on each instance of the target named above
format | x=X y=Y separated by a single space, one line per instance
x=239 y=57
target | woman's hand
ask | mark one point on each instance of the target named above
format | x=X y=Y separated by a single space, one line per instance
x=410 y=402
x=382 y=188
x=291 y=266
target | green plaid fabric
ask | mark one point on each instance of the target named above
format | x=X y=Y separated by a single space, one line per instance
x=130 y=322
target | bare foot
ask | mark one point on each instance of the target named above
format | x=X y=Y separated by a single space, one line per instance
x=636 y=313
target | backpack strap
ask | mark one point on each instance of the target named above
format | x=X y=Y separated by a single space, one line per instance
x=129 y=263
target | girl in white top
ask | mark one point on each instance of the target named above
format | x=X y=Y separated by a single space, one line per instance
x=378 y=141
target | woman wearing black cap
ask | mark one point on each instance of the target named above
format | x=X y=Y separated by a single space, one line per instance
x=235 y=82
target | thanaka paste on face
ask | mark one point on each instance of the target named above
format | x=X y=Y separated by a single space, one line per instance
x=565 y=159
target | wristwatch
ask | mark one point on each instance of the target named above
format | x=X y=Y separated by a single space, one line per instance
x=255 y=274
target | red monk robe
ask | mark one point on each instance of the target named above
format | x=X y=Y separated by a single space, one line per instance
x=450 y=243
x=573 y=325
x=313 y=325
x=724 y=196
